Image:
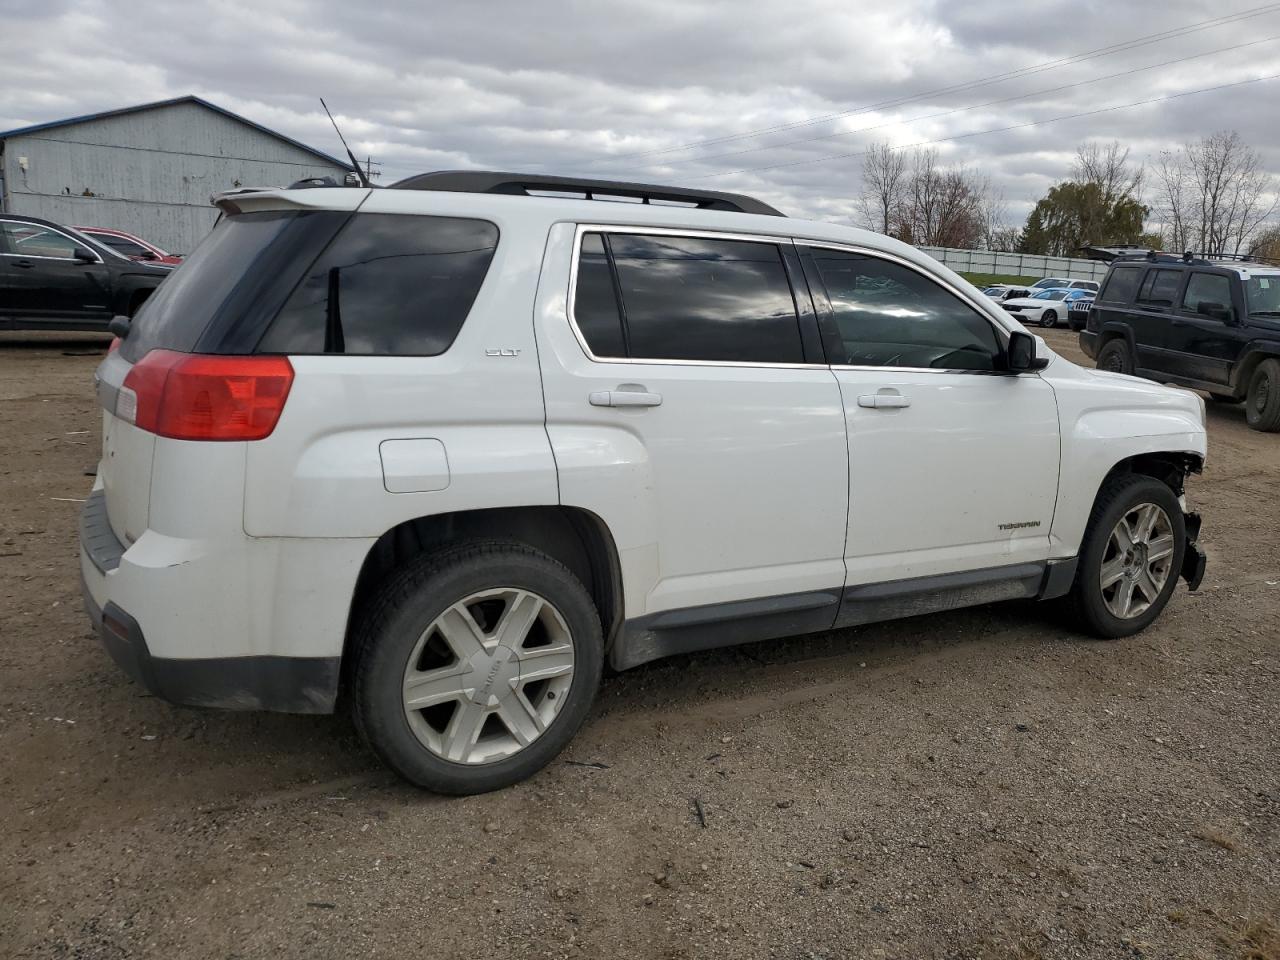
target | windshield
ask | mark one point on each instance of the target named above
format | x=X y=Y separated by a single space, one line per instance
x=1262 y=293
x=1048 y=282
x=1051 y=295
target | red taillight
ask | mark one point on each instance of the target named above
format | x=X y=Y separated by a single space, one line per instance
x=192 y=397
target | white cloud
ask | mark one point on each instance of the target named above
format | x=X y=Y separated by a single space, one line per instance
x=581 y=87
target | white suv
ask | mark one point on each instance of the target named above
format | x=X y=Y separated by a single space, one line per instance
x=447 y=449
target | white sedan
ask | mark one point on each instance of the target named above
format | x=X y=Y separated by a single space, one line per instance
x=1045 y=308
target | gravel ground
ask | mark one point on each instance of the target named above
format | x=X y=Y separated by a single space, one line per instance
x=977 y=784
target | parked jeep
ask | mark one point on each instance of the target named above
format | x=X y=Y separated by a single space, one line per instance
x=54 y=277
x=453 y=446
x=1212 y=324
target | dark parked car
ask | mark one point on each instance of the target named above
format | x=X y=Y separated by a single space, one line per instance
x=1210 y=323
x=54 y=277
x=1078 y=309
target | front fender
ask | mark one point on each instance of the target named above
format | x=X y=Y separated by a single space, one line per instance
x=1108 y=418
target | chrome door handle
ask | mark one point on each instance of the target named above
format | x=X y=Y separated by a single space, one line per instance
x=625 y=398
x=883 y=401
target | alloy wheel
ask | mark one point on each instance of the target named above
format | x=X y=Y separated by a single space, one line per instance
x=1137 y=561
x=488 y=676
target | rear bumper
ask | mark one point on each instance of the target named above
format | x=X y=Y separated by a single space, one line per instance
x=204 y=622
x=1089 y=344
x=280 y=684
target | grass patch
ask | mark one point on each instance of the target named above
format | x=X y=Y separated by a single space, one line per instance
x=1217 y=838
x=981 y=280
x=1253 y=939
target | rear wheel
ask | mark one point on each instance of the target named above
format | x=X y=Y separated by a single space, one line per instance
x=1131 y=557
x=476 y=666
x=1262 y=405
x=1049 y=319
x=1114 y=356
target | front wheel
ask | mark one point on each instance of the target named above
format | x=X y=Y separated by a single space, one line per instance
x=1262 y=406
x=1131 y=557
x=1048 y=319
x=476 y=666
x=1114 y=356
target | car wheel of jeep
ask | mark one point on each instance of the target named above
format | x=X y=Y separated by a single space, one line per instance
x=476 y=665
x=1131 y=557
x=1262 y=405
x=1048 y=319
x=1114 y=356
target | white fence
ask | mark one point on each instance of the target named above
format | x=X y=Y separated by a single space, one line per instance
x=1018 y=264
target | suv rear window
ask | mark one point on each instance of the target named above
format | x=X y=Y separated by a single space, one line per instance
x=237 y=278
x=1160 y=287
x=389 y=285
x=1121 y=285
x=686 y=298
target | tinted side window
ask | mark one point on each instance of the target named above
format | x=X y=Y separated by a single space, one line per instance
x=1121 y=285
x=595 y=303
x=1206 y=288
x=888 y=315
x=690 y=298
x=33 y=240
x=1160 y=287
x=389 y=284
x=127 y=247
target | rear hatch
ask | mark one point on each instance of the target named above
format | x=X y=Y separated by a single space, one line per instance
x=218 y=302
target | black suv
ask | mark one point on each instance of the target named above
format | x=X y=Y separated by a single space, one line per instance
x=1206 y=322
x=56 y=278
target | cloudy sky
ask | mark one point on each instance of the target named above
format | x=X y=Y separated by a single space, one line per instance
x=774 y=99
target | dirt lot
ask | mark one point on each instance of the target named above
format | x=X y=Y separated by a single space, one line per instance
x=978 y=784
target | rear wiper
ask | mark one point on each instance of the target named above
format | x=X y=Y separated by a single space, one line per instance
x=333 y=339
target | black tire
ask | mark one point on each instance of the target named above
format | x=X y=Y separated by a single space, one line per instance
x=1115 y=356
x=1262 y=405
x=1119 y=497
x=1049 y=319
x=408 y=603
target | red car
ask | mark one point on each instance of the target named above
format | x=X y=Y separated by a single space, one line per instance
x=126 y=244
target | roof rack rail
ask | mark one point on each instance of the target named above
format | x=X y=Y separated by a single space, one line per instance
x=1199 y=258
x=530 y=184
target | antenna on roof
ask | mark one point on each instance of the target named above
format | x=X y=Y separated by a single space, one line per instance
x=364 y=179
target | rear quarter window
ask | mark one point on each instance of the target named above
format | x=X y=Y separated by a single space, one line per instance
x=389 y=284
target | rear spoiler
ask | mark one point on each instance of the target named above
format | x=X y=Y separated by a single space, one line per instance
x=249 y=199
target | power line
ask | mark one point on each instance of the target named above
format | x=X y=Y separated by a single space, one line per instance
x=979 y=133
x=955 y=110
x=1170 y=34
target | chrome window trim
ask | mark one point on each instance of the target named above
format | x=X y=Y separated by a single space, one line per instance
x=32 y=256
x=584 y=228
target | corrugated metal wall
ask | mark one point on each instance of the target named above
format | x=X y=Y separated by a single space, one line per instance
x=149 y=173
x=1017 y=264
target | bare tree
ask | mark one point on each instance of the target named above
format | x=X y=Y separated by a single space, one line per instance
x=1107 y=165
x=914 y=198
x=884 y=172
x=1214 y=194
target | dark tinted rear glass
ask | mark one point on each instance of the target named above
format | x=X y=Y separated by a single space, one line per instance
x=595 y=304
x=237 y=278
x=1121 y=285
x=1160 y=287
x=692 y=298
x=404 y=285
